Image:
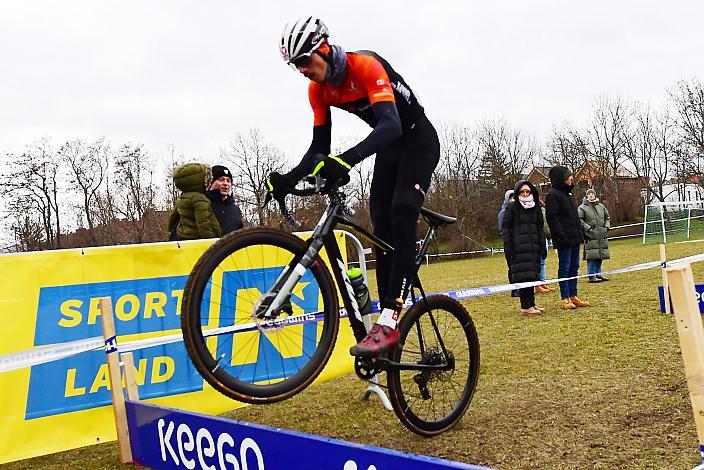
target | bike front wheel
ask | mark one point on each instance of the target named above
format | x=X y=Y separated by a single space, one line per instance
x=242 y=355
x=441 y=333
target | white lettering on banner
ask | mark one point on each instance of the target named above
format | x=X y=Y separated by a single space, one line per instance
x=188 y=445
x=496 y=288
x=208 y=451
x=469 y=292
x=204 y=446
x=165 y=441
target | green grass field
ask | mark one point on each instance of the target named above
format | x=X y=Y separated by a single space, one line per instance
x=600 y=387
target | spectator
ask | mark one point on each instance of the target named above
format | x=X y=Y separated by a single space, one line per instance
x=566 y=231
x=226 y=211
x=524 y=242
x=595 y=225
x=508 y=199
x=193 y=217
x=545 y=288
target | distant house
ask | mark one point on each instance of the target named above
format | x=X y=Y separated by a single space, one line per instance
x=621 y=194
x=538 y=176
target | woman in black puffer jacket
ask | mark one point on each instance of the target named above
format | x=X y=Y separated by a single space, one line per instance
x=524 y=242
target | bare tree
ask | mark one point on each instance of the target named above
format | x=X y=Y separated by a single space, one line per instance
x=134 y=177
x=252 y=160
x=688 y=101
x=650 y=148
x=34 y=177
x=87 y=166
x=506 y=154
x=606 y=143
x=566 y=147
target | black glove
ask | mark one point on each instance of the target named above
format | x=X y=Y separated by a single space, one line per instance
x=336 y=169
x=278 y=186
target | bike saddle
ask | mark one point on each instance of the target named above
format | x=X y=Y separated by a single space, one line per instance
x=436 y=218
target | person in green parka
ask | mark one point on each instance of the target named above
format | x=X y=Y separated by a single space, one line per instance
x=193 y=217
x=595 y=224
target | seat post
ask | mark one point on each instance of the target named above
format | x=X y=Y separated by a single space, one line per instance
x=426 y=241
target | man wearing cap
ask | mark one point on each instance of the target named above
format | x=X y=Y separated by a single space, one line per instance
x=219 y=192
x=566 y=230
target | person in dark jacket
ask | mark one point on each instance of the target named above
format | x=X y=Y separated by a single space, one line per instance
x=193 y=217
x=226 y=211
x=595 y=225
x=566 y=231
x=524 y=242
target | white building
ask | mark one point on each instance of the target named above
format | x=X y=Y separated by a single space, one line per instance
x=676 y=192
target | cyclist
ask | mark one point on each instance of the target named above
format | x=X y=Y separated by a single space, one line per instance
x=405 y=143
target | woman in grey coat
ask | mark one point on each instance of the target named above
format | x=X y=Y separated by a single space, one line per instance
x=595 y=224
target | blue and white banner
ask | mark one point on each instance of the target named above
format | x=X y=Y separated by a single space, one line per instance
x=699 y=296
x=165 y=438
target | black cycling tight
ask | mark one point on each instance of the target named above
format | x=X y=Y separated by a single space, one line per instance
x=402 y=175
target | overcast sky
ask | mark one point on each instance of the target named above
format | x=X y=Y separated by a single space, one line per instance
x=192 y=74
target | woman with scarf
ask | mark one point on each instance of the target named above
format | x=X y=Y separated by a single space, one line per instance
x=524 y=242
x=595 y=225
x=405 y=143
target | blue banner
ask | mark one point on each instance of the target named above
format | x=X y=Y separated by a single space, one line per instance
x=699 y=295
x=173 y=439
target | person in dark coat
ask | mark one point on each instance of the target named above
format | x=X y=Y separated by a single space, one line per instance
x=524 y=242
x=595 y=225
x=566 y=231
x=226 y=211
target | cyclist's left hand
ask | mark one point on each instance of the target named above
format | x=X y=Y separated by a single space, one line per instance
x=335 y=169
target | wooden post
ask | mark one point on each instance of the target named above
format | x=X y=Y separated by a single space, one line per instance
x=130 y=378
x=665 y=283
x=691 y=334
x=118 y=399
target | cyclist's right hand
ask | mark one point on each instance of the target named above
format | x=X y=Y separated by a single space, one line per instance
x=278 y=186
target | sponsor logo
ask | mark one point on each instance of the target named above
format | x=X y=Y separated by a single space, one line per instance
x=402 y=90
x=381 y=82
x=153 y=306
x=182 y=447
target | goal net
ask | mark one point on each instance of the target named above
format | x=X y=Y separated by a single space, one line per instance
x=673 y=221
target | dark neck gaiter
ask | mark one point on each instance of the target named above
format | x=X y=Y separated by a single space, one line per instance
x=337 y=66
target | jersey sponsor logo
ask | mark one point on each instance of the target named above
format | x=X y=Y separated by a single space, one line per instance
x=402 y=90
x=381 y=82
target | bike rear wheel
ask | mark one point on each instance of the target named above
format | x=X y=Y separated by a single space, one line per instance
x=430 y=402
x=239 y=354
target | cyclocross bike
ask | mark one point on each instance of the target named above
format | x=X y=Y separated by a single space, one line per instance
x=260 y=319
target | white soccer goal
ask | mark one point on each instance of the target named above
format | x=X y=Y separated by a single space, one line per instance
x=673 y=221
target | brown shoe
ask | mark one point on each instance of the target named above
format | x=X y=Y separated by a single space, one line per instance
x=550 y=289
x=567 y=304
x=530 y=311
x=541 y=289
x=579 y=303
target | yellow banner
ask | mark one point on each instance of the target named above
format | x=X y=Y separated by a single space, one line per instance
x=49 y=298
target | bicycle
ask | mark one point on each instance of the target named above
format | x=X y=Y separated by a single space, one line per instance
x=260 y=318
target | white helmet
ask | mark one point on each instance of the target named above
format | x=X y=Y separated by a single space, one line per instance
x=302 y=38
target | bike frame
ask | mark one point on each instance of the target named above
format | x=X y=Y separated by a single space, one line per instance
x=323 y=237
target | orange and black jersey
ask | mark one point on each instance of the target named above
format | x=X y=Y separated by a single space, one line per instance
x=369 y=80
x=372 y=90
